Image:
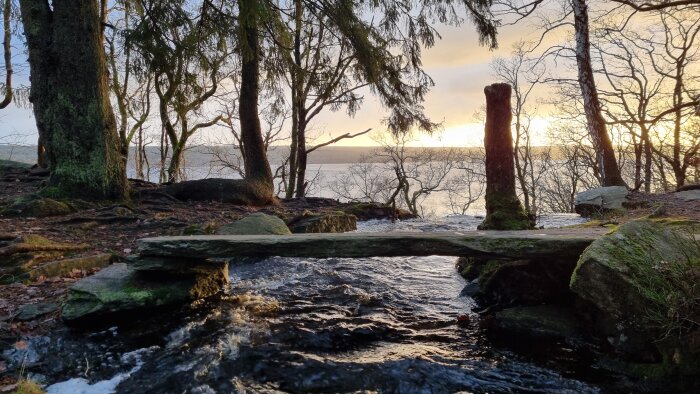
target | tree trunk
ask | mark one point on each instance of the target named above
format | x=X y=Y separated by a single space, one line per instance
x=257 y=169
x=602 y=143
x=297 y=79
x=302 y=157
x=69 y=92
x=7 y=48
x=503 y=209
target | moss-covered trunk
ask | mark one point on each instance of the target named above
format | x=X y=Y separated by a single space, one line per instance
x=503 y=209
x=258 y=174
x=70 y=96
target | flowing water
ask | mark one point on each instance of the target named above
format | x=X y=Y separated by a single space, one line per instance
x=316 y=325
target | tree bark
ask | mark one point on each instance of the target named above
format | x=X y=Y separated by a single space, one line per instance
x=7 y=48
x=607 y=162
x=302 y=157
x=503 y=209
x=69 y=93
x=257 y=167
x=297 y=78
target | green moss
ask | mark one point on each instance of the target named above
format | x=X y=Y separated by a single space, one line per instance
x=505 y=213
x=25 y=386
x=660 y=264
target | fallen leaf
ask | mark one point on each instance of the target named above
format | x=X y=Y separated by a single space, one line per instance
x=21 y=345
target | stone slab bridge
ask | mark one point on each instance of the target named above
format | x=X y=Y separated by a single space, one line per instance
x=196 y=267
x=559 y=243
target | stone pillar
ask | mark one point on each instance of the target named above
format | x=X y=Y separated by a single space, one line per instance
x=503 y=209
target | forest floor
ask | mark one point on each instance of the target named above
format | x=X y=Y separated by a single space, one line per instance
x=114 y=229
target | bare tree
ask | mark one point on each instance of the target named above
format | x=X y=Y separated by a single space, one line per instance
x=130 y=87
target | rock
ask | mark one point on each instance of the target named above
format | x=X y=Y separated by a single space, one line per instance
x=10 y=165
x=541 y=322
x=641 y=283
x=257 y=223
x=336 y=222
x=25 y=253
x=562 y=243
x=119 y=292
x=176 y=266
x=510 y=282
x=689 y=195
x=64 y=267
x=369 y=211
x=35 y=206
x=234 y=191
x=601 y=200
x=32 y=311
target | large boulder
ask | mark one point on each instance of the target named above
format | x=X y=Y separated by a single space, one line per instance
x=601 y=200
x=334 y=222
x=119 y=291
x=642 y=285
x=256 y=224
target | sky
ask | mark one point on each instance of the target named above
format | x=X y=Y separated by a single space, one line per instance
x=459 y=66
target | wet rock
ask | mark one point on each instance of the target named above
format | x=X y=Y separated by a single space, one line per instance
x=641 y=283
x=498 y=283
x=543 y=244
x=25 y=253
x=540 y=322
x=601 y=200
x=176 y=266
x=36 y=206
x=257 y=223
x=118 y=291
x=32 y=311
x=335 y=222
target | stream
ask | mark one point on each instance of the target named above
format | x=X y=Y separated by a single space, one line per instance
x=389 y=325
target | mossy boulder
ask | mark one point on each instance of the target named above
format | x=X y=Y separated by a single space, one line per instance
x=118 y=292
x=22 y=255
x=334 y=222
x=602 y=201
x=643 y=282
x=256 y=224
x=36 y=206
x=63 y=267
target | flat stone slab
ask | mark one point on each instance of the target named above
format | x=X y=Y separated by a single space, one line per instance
x=559 y=243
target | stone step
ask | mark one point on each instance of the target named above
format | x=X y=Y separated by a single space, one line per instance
x=559 y=243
